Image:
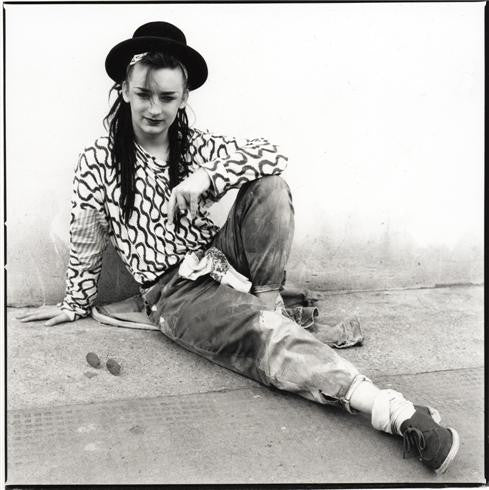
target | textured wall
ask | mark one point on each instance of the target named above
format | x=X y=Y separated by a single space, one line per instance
x=379 y=106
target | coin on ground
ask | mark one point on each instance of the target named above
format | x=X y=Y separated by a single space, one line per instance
x=114 y=367
x=93 y=360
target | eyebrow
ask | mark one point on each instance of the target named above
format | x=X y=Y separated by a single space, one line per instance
x=168 y=92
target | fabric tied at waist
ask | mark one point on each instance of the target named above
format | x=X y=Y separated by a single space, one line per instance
x=213 y=262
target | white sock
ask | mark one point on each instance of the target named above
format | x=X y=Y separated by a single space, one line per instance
x=390 y=410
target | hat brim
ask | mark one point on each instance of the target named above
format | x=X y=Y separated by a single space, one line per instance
x=121 y=54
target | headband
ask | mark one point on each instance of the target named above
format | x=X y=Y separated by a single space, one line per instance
x=138 y=57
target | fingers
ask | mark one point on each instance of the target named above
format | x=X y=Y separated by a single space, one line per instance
x=177 y=202
x=182 y=203
x=23 y=316
x=32 y=317
x=182 y=199
x=61 y=318
x=171 y=207
x=52 y=314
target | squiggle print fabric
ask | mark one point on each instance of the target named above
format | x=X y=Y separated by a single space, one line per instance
x=148 y=245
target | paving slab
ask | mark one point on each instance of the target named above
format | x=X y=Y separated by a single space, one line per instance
x=172 y=417
x=413 y=330
x=249 y=435
x=47 y=365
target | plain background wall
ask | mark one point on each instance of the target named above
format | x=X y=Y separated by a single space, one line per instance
x=379 y=107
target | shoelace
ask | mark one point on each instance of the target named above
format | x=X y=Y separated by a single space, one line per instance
x=413 y=438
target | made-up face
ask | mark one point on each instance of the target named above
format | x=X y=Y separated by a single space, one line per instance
x=155 y=96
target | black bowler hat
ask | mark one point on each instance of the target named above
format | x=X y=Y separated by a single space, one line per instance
x=157 y=36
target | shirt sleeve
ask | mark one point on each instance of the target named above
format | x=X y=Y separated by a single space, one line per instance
x=231 y=162
x=88 y=237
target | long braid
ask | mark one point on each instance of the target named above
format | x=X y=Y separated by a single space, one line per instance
x=179 y=135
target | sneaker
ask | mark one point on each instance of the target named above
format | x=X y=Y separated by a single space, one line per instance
x=430 y=411
x=436 y=446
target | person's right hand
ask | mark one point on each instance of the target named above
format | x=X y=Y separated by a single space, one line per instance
x=52 y=313
x=187 y=194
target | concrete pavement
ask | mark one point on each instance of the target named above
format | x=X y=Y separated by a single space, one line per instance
x=172 y=417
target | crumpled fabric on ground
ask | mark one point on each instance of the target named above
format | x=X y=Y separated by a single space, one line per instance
x=346 y=333
x=130 y=312
x=300 y=306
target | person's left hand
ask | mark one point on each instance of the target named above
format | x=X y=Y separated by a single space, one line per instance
x=52 y=313
x=186 y=195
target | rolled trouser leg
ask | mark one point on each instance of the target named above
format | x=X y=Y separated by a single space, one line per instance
x=294 y=360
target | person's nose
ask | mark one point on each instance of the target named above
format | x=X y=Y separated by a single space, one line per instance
x=154 y=107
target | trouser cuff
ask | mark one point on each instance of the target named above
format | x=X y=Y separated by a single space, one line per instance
x=345 y=401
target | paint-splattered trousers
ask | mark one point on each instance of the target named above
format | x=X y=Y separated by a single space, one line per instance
x=234 y=329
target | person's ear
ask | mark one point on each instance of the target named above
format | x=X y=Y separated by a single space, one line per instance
x=184 y=99
x=125 y=91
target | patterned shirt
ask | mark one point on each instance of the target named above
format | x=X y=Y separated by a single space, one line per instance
x=147 y=244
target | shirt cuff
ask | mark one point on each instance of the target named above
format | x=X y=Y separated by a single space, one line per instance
x=73 y=313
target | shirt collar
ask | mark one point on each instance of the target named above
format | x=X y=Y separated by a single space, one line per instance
x=149 y=160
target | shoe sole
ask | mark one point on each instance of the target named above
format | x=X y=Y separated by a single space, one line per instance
x=107 y=320
x=451 y=454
